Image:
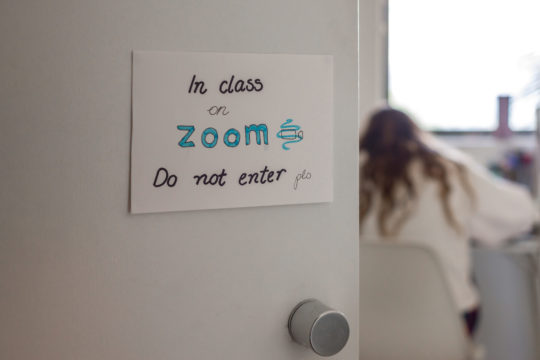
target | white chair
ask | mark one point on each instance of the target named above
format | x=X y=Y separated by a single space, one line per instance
x=406 y=310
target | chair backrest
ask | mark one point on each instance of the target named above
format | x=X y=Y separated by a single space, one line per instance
x=406 y=309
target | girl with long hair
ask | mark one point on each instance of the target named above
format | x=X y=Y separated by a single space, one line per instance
x=415 y=189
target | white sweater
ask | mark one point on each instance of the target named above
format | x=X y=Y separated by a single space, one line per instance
x=499 y=211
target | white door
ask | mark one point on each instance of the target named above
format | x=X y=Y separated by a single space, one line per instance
x=82 y=278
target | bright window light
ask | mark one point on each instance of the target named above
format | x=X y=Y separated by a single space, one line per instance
x=449 y=60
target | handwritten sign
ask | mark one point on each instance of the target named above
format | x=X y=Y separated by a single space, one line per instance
x=213 y=130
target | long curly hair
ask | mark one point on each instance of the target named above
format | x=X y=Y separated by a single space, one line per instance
x=392 y=141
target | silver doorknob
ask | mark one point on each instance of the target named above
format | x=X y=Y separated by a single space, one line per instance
x=318 y=327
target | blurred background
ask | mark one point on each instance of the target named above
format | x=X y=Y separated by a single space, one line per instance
x=469 y=71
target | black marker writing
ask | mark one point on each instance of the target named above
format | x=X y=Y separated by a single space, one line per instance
x=235 y=86
x=162 y=178
x=260 y=177
x=216 y=110
x=212 y=179
x=199 y=86
x=304 y=175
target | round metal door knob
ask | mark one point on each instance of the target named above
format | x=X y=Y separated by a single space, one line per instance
x=318 y=327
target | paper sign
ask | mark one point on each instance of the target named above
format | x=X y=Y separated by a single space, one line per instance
x=213 y=130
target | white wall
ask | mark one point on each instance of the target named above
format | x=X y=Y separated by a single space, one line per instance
x=81 y=278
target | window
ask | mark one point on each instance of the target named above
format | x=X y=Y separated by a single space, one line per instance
x=450 y=60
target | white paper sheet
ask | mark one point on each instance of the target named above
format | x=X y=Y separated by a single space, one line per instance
x=215 y=130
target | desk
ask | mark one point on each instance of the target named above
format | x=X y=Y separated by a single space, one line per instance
x=508 y=284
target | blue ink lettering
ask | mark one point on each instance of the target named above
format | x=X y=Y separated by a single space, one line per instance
x=206 y=132
x=226 y=138
x=184 y=142
x=231 y=138
x=257 y=129
x=290 y=132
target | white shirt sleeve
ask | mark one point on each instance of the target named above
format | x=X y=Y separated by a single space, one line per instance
x=502 y=209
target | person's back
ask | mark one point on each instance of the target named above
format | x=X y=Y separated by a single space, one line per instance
x=426 y=224
x=434 y=196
